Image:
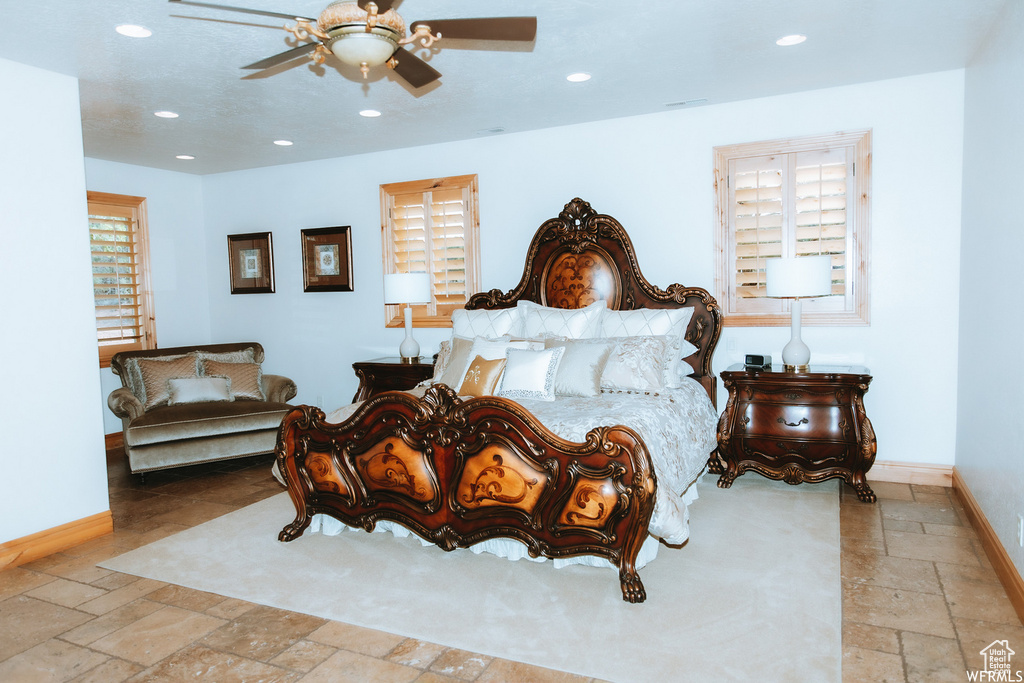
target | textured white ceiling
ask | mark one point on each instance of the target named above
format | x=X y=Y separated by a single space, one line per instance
x=643 y=57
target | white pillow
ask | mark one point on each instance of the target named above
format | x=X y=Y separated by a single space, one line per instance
x=579 y=373
x=488 y=349
x=636 y=364
x=656 y=322
x=573 y=323
x=530 y=373
x=198 y=389
x=485 y=323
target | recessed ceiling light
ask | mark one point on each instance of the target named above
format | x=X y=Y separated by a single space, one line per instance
x=284 y=143
x=578 y=77
x=133 y=31
x=166 y=114
x=795 y=39
x=186 y=157
x=369 y=113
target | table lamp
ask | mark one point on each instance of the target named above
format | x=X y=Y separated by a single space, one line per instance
x=798 y=278
x=408 y=289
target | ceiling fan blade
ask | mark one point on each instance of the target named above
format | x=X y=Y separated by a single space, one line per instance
x=495 y=28
x=413 y=69
x=283 y=57
x=382 y=5
x=244 y=10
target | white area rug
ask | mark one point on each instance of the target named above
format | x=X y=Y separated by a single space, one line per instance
x=753 y=596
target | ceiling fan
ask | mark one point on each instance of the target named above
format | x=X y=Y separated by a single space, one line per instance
x=369 y=33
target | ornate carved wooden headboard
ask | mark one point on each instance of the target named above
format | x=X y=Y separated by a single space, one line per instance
x=581 y=257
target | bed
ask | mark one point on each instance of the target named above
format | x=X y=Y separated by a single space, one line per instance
x=594 y=475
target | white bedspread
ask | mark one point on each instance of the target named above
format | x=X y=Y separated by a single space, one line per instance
x=678 y=426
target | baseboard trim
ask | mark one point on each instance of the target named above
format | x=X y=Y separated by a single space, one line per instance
x=997 y=555
x=911 y=473
x=50 y=541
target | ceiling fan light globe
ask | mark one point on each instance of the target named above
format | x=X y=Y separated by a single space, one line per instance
x=357 y=46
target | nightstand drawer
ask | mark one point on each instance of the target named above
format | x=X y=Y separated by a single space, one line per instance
x=791 y=395
x=807 y=453
x=793 y=421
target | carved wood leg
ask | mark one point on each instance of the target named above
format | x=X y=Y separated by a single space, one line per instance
x=729 y=474
x=715 y=465
x=860 y=485
x=295 y=529
x=632 y=587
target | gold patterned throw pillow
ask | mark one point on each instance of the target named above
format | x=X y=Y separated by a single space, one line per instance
x=481 y=377
x=246 y=378
x=155 y=373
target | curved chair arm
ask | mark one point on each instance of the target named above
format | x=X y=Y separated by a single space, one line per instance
x=124 y=403
x=279 y=389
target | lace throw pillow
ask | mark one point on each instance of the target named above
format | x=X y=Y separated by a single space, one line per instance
x=531 y=373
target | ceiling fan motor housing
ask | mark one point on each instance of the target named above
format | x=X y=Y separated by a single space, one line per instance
x=353 y=41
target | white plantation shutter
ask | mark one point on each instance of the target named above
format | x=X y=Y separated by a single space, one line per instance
x=118 y=253
x=430 y=226
x=787 y=198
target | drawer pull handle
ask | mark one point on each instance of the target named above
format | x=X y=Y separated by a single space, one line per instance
x=794 y=396
x=802 y=421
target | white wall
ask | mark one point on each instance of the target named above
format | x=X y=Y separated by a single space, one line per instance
x=53 y=459
x=990 y=437
x=654 y=174
x=174 y=210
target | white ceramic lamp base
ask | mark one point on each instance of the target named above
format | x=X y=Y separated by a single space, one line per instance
x=410 y=348
x=796 y=356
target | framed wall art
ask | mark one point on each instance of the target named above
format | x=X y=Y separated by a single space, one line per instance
x=327 y=259
x=251 y=263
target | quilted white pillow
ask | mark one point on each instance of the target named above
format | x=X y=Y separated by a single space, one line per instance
x=572 y=323
x=485 y=323
x=531 y=374
x=656 y=322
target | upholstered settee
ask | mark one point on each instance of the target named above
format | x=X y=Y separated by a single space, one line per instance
x=193 y=404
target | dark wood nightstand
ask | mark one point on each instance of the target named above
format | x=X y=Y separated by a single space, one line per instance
x=798 y=427
x=390 y=374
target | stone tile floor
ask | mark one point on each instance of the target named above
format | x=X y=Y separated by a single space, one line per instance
x=920 y=601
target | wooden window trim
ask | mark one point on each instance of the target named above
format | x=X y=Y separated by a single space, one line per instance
x=857 y=308
x=138 y=205
x=394 y=316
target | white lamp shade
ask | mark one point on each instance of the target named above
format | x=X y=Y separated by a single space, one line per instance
x=799 y=277
x=406 y=288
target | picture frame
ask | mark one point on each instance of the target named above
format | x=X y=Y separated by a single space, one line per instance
x=251 y=263
x=327 y=259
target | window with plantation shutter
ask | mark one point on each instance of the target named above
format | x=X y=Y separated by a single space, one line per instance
x=797 y=197
x=431 y=226
x=120 y=275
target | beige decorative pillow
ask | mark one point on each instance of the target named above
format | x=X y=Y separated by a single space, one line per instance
x=451 y=370
x=246 y=355
x=579 y=373
x=481 y=377
x=155 y=373
x=246 y=378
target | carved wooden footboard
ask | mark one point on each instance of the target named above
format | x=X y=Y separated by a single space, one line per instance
x=459 y=472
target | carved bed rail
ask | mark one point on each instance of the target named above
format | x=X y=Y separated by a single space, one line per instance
x=458 y=472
